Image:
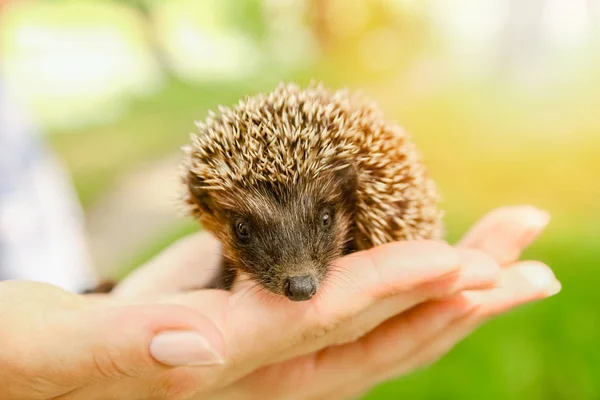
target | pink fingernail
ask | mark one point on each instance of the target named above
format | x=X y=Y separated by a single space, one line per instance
x=183 y=348
x=537 y=276
x=541 y=219
x=555 y=288
x=537 y=222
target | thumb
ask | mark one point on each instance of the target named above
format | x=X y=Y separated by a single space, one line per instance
x=131 y=340
x=137 y=337
x=74 y=344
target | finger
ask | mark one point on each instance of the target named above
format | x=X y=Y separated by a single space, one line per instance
x=329 y=372
x=479 y=271
x=380 y=272
x=371 y=275
x=259 y=327
x=385 y=271
x=189 y=263
x=505 y=232
x=523 y=283
x=358 y=364
x=104 y=344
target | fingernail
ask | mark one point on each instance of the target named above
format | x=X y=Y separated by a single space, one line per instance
x=537 y=276
x=537 y=221
x=541 y=219
x=183 y=348
x=554 y=289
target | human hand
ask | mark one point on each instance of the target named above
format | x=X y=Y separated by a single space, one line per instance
x=65 y=346
x=419 y=336
x=113 y=335
x=424 y=334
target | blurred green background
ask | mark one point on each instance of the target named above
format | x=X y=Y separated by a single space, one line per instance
x=503 y=98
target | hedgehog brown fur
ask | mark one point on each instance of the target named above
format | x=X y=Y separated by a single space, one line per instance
x=292 y=134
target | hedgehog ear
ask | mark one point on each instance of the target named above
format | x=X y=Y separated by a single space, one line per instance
x=199 y=194
x=346 y=178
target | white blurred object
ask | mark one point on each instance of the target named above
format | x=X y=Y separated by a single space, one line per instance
x=41 y=230
x=76 y=62
x=530 y=42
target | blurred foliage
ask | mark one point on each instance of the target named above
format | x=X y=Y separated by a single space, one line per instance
x=502 y=136
x=154 y=127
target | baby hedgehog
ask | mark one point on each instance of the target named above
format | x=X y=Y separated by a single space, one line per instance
x=291 y=180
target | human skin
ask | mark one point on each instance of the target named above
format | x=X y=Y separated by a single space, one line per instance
x=384 y=313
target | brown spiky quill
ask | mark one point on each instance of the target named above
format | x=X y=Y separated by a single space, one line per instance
x=292 y=133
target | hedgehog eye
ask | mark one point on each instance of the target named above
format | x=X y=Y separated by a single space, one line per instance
x=326 y=217
x=242 y=231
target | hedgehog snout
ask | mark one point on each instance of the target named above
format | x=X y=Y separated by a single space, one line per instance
x=300 y=288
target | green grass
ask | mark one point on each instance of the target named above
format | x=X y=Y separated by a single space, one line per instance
x=544 y=350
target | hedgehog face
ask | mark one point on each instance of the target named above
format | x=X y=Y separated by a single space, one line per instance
x=261 y=176
x=286 y=236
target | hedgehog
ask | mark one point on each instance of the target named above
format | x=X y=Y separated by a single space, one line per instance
x=292 y=180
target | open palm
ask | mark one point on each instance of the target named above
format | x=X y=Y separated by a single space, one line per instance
x=406 y=305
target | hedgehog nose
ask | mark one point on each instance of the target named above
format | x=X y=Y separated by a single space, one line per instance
x=300 y=288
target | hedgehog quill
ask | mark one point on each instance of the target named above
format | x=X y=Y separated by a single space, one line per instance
x=291 y=180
